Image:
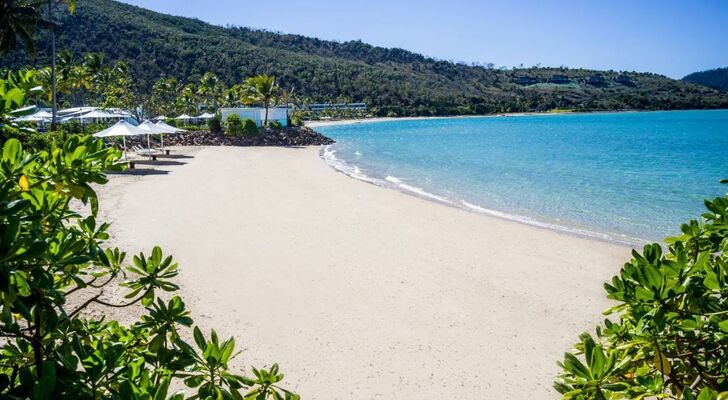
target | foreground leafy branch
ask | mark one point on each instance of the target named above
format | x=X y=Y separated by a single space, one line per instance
x=54 y=267
x=670 y=338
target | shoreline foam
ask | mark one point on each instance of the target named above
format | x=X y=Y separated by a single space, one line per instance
x=327 y=154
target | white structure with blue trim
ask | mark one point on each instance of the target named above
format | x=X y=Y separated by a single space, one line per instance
x=257 y=114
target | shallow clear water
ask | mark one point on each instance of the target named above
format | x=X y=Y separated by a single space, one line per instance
x=622 y=176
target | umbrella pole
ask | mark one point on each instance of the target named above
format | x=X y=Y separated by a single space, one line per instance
x=149 y=146
x=123 y=139
x=161 y=139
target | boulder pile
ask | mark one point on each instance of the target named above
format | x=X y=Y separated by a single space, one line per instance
x=289 y=136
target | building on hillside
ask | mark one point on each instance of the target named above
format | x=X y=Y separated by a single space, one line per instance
x=595 y=80
x=624 y=80
x=526 y=80
x=257 y=114
x=319 y=107
x=559 y=79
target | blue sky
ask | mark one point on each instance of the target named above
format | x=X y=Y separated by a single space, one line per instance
x=669 y=37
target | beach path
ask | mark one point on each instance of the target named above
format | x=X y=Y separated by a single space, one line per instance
x=361 y=292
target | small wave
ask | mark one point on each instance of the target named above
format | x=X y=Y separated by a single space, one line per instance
x=622 y=239
x=328 y=154
x=421 y=192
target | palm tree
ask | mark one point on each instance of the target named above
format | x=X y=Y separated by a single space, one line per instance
x=52 y=5
x=80 y=79
x=164 y=93
x=18 y=20
x=211 y=88
x=230 y=97
x=262 y=89
x=94 y=65
x=44 y=76
x=187 y=100
x=61 y=78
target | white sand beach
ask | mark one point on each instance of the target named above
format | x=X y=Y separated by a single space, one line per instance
x=357 y=291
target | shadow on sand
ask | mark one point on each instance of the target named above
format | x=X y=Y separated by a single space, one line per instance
x=174 y=156
x=140 y=172
x=158 y=162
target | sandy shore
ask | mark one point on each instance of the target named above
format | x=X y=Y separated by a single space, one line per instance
x=359 y=292
x=333 y=122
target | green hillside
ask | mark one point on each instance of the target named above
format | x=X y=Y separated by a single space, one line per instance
x=714 y=78
x=396 y=80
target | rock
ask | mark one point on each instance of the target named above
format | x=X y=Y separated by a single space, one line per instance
x=289 y=136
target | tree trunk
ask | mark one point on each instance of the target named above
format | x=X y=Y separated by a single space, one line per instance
x=265 y=121
x=53 y=64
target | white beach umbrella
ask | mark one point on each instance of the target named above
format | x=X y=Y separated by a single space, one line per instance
x=169 y=127
x=43 y=114
x=159 y=118
x=205 y=116
x=152 y=128
x=31 y=118
x=98 y=114
x=123 y=129
x=184 y=117
x=40 y=116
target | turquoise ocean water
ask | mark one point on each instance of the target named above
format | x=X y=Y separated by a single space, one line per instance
x=620 y=176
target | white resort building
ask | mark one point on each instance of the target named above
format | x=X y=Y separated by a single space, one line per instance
x=257 y=114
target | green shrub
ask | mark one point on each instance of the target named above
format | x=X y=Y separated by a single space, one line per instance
x=296 y=119
x=40 y=141
x=275 y=125
x=669 y=338
x=391 y=114
x=54 y=265
x=250 y=127
x=214 y=124
x=234 y=125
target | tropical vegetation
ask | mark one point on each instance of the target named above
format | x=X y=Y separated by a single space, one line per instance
x=668 y=337
x=715 y=78
x=56 y=268
x=90 y=80
x=389 y=81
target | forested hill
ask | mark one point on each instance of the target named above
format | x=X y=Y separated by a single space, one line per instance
x=714 y=78
x=389 y=80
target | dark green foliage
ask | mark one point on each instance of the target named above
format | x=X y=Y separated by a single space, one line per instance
x=233 y=125
x=40 y=140
x=714 y=78
x=296 y=119
x=55 y=265
x=214 y=124
x=77 y=127
x=670 y=338
x=275 y=125
x=250 y=127
x=18 y=22
x=388 y=80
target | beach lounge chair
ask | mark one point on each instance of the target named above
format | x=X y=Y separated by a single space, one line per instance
x=151 y=153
